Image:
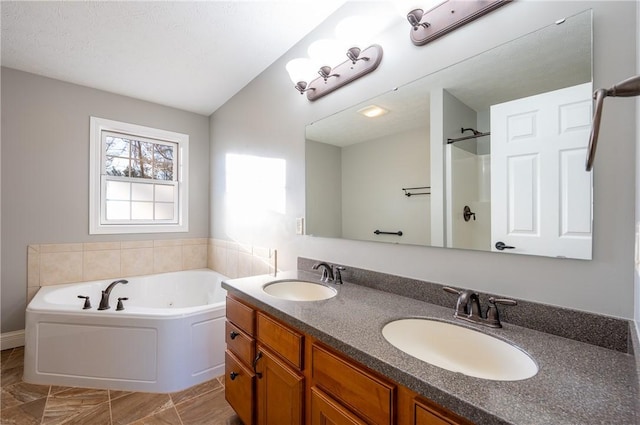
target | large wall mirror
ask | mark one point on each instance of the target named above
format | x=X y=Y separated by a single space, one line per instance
x=487 y=154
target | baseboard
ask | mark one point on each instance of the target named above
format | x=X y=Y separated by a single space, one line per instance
x=11 y=339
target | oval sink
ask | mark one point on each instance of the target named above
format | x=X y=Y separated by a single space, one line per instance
x=460 y=349
x=299 y=290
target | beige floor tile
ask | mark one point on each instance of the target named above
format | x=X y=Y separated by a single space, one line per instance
x=15 y=359
x=24 y=414
x=135 y=406
x=166 y=417
x=11 y=376
x=195 y=391
x=93 y=415
x=16 y=394
x=113 y=394
x=4 y=356
x=208 y=409
x=73 y=403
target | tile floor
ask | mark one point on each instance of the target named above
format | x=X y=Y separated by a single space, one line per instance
x=27 y=404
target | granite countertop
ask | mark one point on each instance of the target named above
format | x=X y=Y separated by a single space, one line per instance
x=578 y=383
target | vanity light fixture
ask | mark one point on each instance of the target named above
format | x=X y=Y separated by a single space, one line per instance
x=446 y=17
x=359 y=63
x=372 y=111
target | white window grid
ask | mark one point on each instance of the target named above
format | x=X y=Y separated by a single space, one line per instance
x=98 y=224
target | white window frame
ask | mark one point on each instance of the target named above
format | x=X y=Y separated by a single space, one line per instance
x=97 y=183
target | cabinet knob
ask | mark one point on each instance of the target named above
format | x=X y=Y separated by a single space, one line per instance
x=233 y=375
x=233 y=334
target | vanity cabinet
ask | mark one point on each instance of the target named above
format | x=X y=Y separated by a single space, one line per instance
x=276 y=375
x=239 y=380
x=264 y=382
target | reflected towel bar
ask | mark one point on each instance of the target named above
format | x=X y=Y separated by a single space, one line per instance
x=378 y=232
x=407 y=189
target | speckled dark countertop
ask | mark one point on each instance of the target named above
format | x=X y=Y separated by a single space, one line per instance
x=578 y=383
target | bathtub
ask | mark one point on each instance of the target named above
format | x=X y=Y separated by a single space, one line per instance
x=170 y=335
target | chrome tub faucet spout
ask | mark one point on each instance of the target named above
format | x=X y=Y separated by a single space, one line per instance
x=104 y=301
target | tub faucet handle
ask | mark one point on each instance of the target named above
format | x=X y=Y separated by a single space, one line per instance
x=120 y=306
x=87 y=302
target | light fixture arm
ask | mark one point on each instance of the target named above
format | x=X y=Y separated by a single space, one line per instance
x=325 y=73
x=354 y=55
x=414 y=17
x=301 y=86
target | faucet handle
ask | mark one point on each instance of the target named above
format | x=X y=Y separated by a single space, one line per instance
x=120 y=306
x=493 y=317
x=87 y=302
x=451 y=290
x=504 y=301
x=337 y=272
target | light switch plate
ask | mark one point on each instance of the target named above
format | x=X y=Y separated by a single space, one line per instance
x=300 y=226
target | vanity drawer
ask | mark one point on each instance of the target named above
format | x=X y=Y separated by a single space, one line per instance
x=367 y=395
x=429 y=413
x=239 y=387
x=241 y=344
x=241 y=315
x=281 y=339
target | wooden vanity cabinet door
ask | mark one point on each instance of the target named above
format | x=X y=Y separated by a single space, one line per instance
x=325 y=411
x=280 y=391
x=238 y=388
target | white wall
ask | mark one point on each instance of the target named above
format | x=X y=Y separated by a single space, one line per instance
x=324 y=189
x=45 y=170
x=374 y=200
x=268 y=118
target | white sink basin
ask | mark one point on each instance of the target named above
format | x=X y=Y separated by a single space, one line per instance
x=460 y=349
x=299 y=290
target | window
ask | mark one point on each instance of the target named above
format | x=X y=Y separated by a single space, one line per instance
x=138 y=179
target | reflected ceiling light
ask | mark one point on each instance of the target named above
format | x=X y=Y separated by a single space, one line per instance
x=445 y=17
x=373 y=111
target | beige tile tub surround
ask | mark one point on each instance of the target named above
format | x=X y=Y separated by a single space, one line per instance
x=55 y=264
x=235 y=260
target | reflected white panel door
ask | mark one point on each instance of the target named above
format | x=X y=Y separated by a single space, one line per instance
x=541 y=195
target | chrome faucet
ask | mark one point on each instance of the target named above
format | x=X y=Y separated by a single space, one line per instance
x=468 y=307
x=104 y=301
x=327 y=273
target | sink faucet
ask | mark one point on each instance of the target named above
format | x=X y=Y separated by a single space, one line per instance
x=327 y=273
x=104 y=301
x=468 y=307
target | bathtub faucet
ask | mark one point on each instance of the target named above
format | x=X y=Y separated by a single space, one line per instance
x=104 y=301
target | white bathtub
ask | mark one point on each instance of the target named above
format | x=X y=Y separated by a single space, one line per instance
x=170 y=335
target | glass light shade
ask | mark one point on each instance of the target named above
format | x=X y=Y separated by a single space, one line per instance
x=405 y=6
x=327 y=52
x=360 y=30
x=301 y=69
